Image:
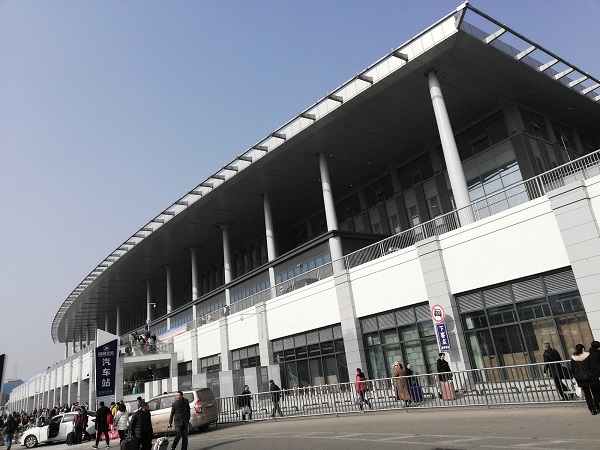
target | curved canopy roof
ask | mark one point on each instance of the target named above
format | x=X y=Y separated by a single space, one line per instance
x=376 y=119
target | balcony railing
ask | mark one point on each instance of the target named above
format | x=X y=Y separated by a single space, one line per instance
x=517 y=194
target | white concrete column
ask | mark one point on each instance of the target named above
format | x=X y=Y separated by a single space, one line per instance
x=148 y=302
x=437 y=287
x=66 y=350
x=335 y=244
x=195 y=280
x=80 y=339
x=106 y=322
x=87 y=335
x=577 y=216
x=270 y=236
x=451 y=156
x=226 y=260
x=118 y=328
x=169 y=295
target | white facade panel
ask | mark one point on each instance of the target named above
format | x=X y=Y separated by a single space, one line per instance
x=388 y=283
x=86 y=365
x=243 y=329
x=183 y=347
x=308 y=308
x=593 y=188
x=522 y=241
x=209 y=340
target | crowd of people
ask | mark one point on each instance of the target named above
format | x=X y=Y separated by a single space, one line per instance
x=141 y=343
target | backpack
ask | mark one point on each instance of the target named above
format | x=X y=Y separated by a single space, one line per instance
x=581 y=370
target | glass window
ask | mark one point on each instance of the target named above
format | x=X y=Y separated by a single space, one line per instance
x=501 y=315
x=475 y=319
x=426 y=329
x=566 y=303
x=390 y=336
x=482 y=349
x=409 y=332
x=373 y=339
x=509 y=344
x=533 y=309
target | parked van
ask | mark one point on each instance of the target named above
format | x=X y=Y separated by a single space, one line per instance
x=204 y=409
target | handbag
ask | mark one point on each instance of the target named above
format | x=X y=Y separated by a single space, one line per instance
x=246 y=410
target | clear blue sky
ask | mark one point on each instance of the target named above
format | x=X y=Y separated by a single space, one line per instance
x=111 y=110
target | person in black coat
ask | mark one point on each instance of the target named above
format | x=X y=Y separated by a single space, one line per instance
x=180 y=416
x=141 y=427
x=585 y=368
x=443 y=368
x=555 y=370
x=244 y=402
x=102 y=424
x=275 y=398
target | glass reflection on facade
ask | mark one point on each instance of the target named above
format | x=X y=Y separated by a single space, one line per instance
x=313 y=358
x=406 y=335
x=508 y=324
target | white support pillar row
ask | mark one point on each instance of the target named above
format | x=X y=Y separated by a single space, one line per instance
x=270 y=236
x=451 y=156
x=335 y=243
x=226 y=260
x=195 y=281
x=148 y=302
x=169 y=296
x=118 y=327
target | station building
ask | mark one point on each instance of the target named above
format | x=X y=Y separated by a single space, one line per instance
x=460 y=170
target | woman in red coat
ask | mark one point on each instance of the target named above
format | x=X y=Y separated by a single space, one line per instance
x=361 y=388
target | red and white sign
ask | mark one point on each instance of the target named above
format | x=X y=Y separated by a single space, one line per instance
x=437 y=313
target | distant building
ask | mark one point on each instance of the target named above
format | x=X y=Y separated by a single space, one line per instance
x=7 y=388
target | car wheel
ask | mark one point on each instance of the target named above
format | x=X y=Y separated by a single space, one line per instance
x=203 y=427
x=31 y=441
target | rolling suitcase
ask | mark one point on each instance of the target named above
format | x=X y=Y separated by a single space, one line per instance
x=130 y=443
x=71 y=438
x=448 y=391
x=416 y=394
x=162 y=443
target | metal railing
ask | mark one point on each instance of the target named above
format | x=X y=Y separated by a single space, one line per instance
x=526 y=384
x=304 y=279
x=517 y=194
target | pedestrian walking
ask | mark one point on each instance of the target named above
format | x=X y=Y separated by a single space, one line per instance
x=79 y=424
x=244 y=402
x=445 y=377
x=275 y=398
x=555 y=370
x=361 y=389
x=402 y=392
x=585 y=368
x=102 y=424
x=121 y=421
x=141 y=427
x=11 y=427
x=180 y=416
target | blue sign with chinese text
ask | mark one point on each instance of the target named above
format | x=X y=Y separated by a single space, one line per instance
x=106 y=367
x=443 y=338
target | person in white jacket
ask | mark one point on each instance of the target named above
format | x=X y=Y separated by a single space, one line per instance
x=122 y=421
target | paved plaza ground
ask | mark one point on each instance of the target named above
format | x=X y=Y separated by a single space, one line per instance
x=533 y=428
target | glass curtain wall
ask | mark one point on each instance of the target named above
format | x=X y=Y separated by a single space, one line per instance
x=508 y=324
x=313 y=358
x=406 y=335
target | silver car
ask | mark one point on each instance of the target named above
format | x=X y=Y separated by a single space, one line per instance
x=204 y=409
